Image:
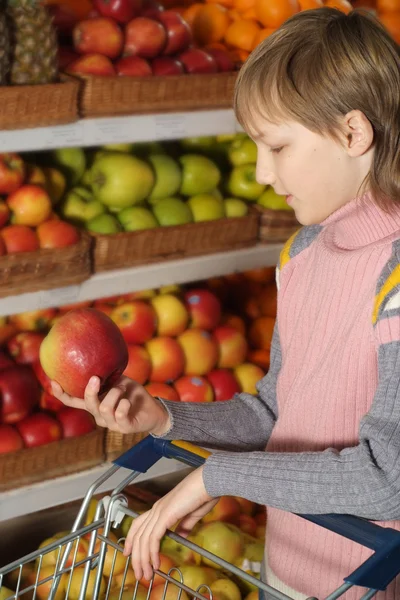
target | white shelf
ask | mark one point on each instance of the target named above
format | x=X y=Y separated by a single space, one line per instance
x=123 y=281
x=113 y=130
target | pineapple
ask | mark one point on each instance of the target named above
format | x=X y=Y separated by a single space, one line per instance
x=33 y=43
x=4 y=47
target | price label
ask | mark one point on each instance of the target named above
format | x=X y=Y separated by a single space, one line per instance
x=170 y=127
x=112 y=131
x=64 y=135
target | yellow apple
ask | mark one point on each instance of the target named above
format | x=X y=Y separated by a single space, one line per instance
x=200 y=350
x=5 y=593
x=222 y=539
x=248 y=375
x=43 y=589
x=172 y=316
x=76 y=584
x=226 y=588
x=227 y=509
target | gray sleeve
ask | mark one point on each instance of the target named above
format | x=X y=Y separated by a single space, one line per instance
x=244 y=423
x=363 y=480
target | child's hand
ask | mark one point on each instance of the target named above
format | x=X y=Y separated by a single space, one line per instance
x=188 y=502
x=127 y=407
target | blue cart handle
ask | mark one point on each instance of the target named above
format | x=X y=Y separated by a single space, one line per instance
x=376 y=572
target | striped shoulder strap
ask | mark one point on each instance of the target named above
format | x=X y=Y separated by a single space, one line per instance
x=298 y=242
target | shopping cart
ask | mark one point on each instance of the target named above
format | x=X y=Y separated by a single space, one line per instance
x=75 y=574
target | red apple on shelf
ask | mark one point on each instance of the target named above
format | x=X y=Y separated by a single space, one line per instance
x=104 y=308
x=120 y=10
x=178 y=32
x=12 y=172
x=151 y=9
x=49 y=402
x=83 y=343
x=162 y=390
x=4 y=213
x=222 y=58
x=92 y=64
x=139 y=364
x=19 y=238
x=66 y=56
x=224 y=384
x=136 y=321
x=144 y=37
x=204 y=308
x=75 y=422
x=10 y=440
x=57 y=234
x=196 y=60
x=194 y=389
x=5 y=361
x=30 y=205
x=24 y=347
x=133 y=66
x=7 y=330
x=39 y=429
x=167 y=359
x=166 y=65
x=44 y=381
x=33 y=320
x=98 y=36
x=19 y=393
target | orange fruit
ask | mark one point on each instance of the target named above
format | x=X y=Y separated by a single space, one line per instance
x=260 y=333
x=241 y=34
x=261 y=358
x=308 y=4
x=272 y=13
x=250 y=13
x=234 y=321
x=242 y=5
x=226 y=3
x=235 y=15
x=210 y=24
x=264 y=33
x=343 y=5
x=191 y=12
x=261 y=275
x=391 y=20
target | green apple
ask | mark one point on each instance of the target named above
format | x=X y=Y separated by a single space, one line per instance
x=168 y=176
x=198 y=143
x=229 y=137
x=270 y=199
x=103 y=224
x=234 y=207
x=118 y=147
x=242 y=151
x=86 y=179
x=172 y=211
x=135 y=218
x=71 y=162
x=199 y=174
x=143 y=149
x=206 y=207
x=217 y=194
x=6 y=593
x=120 y=180
x=242 y=183
x=80 y=206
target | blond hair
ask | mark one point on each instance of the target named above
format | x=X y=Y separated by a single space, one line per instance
x=318 y=66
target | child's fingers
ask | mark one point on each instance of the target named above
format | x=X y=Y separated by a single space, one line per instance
x=91 y=396
x=108 y=406
x=122 y=415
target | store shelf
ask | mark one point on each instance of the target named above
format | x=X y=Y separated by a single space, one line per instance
x=123 y=281
x=29 y=499
x=113 y=130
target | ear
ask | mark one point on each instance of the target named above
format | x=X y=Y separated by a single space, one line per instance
x=358 y=133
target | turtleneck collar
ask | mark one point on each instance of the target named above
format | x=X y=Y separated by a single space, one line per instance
x=361 y=222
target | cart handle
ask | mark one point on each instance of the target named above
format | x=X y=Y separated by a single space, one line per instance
x=376 y=572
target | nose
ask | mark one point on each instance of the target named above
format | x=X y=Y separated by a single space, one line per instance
x=265 y=174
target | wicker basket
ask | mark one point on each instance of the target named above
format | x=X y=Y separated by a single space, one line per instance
x=167 y=243
x=116 y=443
x=45 y=269
x=70 y=455
x=276 y=225
x=25 y=106
x=110 y=96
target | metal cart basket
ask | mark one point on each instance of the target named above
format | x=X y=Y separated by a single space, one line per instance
x=68 y=570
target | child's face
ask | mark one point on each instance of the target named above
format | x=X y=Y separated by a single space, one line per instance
x=315 y=172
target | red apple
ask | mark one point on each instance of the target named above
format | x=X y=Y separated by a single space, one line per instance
x=151 y=9
x=139 y=364
x=19 y=238
x=98 y=36
x=7 y=330
x=227 y=510
x=33 y=320
x=10 y=440
x=120 y=10
x=5 y=361
x=194 y=389
x=75 y=422
x=136 y=320
x=196 y=60
x=162 y=390
x=24 y=347
x=39 y=429
x=57 y=234
x=166 y=65
x=66 y=56
x=104 y=308
x=167 y=359
x=3 y=249
x=232 y=346
x=12 y=172
x=222 y=58
x=92 y=64
x=44 y=381
x=19 y=393
x=144 y=37
x=49 y=402
x=200 y=350
x=66 y=307
x=82 y=343
x=133 y=66
x=30 y=205
x=4 y=213
x=178 y=32
x=204 y=308
x=224 y=384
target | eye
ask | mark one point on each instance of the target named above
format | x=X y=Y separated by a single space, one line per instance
x=277 y=150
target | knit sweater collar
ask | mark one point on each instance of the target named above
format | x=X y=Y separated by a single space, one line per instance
x=361 y=222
